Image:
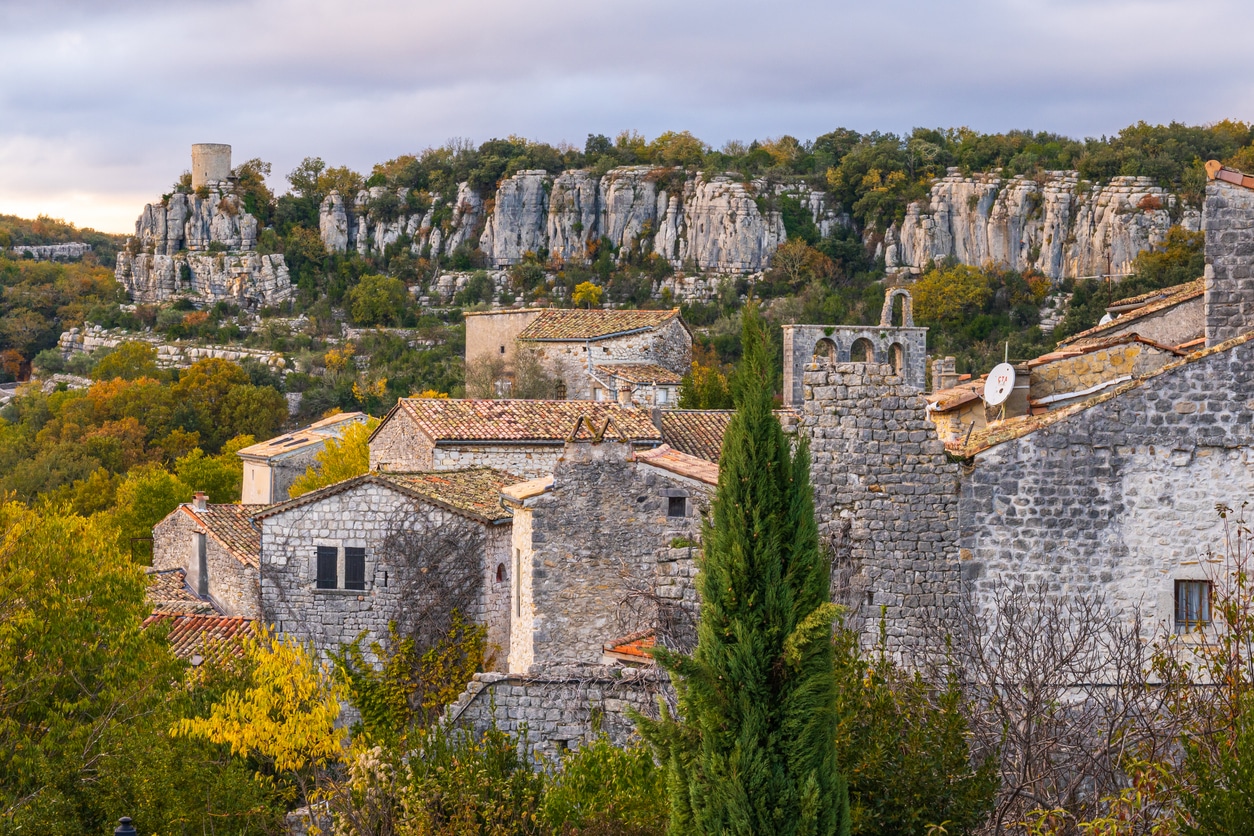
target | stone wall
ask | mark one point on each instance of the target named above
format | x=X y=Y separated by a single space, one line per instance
x=1176 y=325
x=1229 y=261
x=1117 y=500
x=669 y=346
x=1073 y=374
x=398 y=445
x=806 y=344
x=233 y=586
x=591 y=551
x=170 y=355
x=361 y=516
x=493 y=334
x=527 y=461
x=563 y=707
x=71 y=251
x=886 y=497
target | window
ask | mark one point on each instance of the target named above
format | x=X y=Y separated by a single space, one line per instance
x=500 y=573
x=502 y=349
x=559 y=391
x=1192 y=605
x=661 y=396
x=354 y=567
x=328 y=576
x=676 y=506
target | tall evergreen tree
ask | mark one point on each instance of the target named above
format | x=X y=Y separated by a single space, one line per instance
x=752 y=750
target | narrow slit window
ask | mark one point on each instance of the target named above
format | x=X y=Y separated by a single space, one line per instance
x=354 y=567
x=327 y=575
x=676 y=506
x=1192 y=605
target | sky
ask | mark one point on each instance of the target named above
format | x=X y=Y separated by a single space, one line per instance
x=101 y=100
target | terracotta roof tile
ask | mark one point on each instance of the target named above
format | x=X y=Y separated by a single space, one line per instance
x=168 y=593
x=636 y=646
x=205 y=636
x=1089 y=346
x=474 y=492
x=641 y=373
x=448 y=419
x=577 y=324
x=1215 y=170
x=681 y=464
x=1184 y=293
x=697 y=432
x=231 y=526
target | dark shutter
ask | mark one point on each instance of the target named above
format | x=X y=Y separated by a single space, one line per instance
x=354 y=568
x=677 y=506
x=327 y=575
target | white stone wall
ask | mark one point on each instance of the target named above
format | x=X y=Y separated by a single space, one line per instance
x=522 y=603
x=669 y=346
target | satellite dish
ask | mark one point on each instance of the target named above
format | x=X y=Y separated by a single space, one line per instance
x=999 y=384
x=1105 y=319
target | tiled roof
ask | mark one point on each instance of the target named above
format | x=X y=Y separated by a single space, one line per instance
x=1217 y=171
x=448 y=419
x=1090 y=346
x=523 y=491
x=168 y=593
x=474 y=492
x=1008 y=430
x=697 y=432
x=577 y=324
x=680 y=464
x=943 y=400
x=204 y=636
x=231 y=526
x=1184 y=293
x=634 y=646
x=641 y=373
x=316 y=433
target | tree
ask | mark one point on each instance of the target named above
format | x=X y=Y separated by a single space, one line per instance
x=377 y=300
x=131 y=360
x=587 y=294
x=705 y=386
x=220 y=476
x=752 y=748
x=304 y=178
x=144 y=498
x=339 y=459
x=944 y=295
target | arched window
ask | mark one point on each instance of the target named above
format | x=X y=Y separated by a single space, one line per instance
x=825 y=350
x=897 y=357
x=500 y=573
x=862 y=351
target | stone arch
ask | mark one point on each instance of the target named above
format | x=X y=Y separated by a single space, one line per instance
x=862 y=351
x=907 y=309
x=897 y=357
x=825 y=350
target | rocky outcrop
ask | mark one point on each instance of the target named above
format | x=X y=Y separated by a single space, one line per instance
x=202 y=246
x=714 y=221
x=1059 y=225
x=170 y=355
x=71 y=251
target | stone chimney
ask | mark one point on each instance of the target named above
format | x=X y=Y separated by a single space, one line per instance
x=200 y=501
x=944 y=373
x=624 y=394
x=1228 y=219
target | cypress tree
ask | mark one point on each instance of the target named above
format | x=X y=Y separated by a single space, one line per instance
x=752 y=748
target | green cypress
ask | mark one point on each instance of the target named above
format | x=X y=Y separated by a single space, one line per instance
x=752 y=749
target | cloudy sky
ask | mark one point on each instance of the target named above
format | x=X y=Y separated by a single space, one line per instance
x=101 y=99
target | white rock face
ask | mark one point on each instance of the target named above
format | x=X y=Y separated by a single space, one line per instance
x=52 y=252
x=1061 y=226
x=572 y=221
x=168 y=255
x=518 y=221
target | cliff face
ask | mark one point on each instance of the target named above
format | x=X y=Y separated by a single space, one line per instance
x=168 y=255
x=1062 y=226
x=714 y=221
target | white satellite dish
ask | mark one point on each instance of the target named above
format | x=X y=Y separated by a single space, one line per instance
x=999 y=384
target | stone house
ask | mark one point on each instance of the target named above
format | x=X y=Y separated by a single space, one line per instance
x=218 y=549
x=271 y=466
x=352 y=557
x=577 y=345
x=516 y=436
x=1173 y=316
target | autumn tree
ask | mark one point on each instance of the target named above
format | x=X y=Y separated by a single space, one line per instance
x=339 y=459
x=587 y=295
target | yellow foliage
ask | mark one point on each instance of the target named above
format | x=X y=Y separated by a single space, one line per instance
x=946 y=295
x=430 y=393
x=340 y=458
x=337 y=358
x=587 y=294
x=378 y=389
x=287 y=714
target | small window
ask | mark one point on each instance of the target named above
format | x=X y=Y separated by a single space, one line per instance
x=502 y=349
x=605 y=349
x=354 y=568
x=559 y=391
x=500 y=573
x=327 y=576
x=661 y=396
x=676 y=506
x=1192 y=605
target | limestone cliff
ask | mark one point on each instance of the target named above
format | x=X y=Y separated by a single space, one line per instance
x=713 y=221
x=171 y=254
x=1058 y=224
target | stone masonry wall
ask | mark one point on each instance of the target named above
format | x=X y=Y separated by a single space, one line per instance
x=596 y=541
x=669 y=347
x=527 y=461
x=170 y=355
x=886 y=497
x=1117 y=500
x=361 y=516
x=1229 y=223
x=1073 y=374
x=399 y=447
x=233 y=586
x=563 y=707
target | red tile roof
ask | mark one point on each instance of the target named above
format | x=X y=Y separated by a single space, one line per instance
x=169 y=594
x=575 y=324
x=204 y=636
x=231 y=526
x=1183 y=293
x=641 y=373
x=680 y=464
x=448 y=419
x=1090 y=346
x=635 y=646
x=1215 y=170
x=697 y=432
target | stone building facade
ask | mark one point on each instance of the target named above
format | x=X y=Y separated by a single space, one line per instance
x=218 y=549
x=368 y=513
x=271 y=466
x=1229 y=224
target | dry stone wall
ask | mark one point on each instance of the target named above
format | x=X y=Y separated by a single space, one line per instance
x=170 y=355
x=1060 y=225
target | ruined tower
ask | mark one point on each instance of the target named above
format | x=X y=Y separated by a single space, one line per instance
x=211 y=163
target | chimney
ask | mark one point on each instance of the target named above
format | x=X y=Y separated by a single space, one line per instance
x=1229 y=209
x=199 y=501
x=944 y=373
x=624 y=395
